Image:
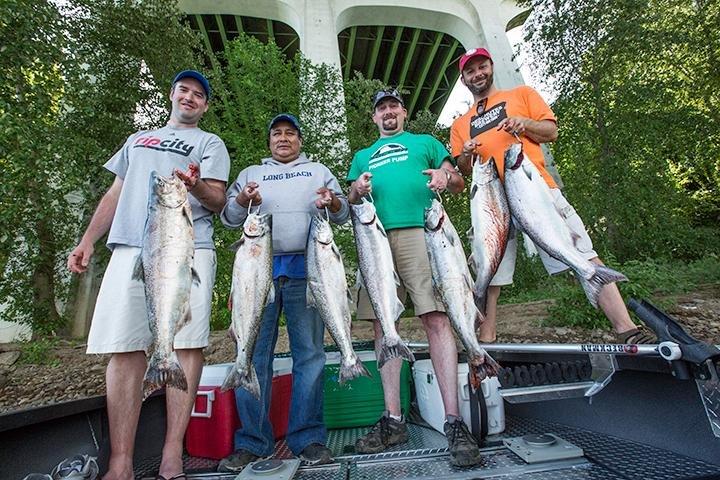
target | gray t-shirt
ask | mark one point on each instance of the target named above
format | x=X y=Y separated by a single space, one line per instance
x=163 y=150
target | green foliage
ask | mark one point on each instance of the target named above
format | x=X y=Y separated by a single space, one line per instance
x=637 y=101
x=76 y=76
x=647 y=279
x=39 y=352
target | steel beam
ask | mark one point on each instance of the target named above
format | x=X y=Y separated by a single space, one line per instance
x=221 y=28
x=271 y=31
x=409 y=57
x=441 y=74
x=348 y=58
x=238 y=24
x=376 y=49
x=426 y=68
x=393 y=53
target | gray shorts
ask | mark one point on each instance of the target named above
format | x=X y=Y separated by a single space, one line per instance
x=413 y=267
x=120 y=322
x=506 y=269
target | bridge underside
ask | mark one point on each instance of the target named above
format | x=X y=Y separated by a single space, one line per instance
x=422 y=63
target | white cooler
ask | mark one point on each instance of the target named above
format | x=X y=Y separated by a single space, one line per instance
x=430 y=402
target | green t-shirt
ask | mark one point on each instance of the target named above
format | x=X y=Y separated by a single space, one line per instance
x=399 y=187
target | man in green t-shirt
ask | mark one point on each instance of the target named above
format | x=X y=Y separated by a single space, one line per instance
x=404 y=171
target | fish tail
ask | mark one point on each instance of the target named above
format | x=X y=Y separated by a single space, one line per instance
x=245 y=378
x=482 y=366
x=348 y=371
x=480 y=301
x=393 y=348
x=602 y=276
x=163 y=372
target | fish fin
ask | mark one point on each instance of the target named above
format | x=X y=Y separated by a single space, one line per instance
x=350 y=300
x=234 y=247
x=396 y=277
x=393 y=348
x=480 y=296
x=399 y=308
x=242 y=378
x=468 y=280
x=348 y=371
x=575 y=240
x=139 y=269
x=470 y=234
x=187 y=213
x=336 y=251
x=185 y=319
x=381 y=229
x=473 y=190
x=270 y=298
x=479 y=319
x=471 y=263
x=309 y=297
x=195 y=276
x=449 y=236
x=163 y=372
x=602 y=276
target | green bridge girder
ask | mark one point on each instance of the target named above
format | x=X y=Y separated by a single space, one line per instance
x=421 y=63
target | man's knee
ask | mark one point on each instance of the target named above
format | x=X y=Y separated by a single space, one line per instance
x=435 y=321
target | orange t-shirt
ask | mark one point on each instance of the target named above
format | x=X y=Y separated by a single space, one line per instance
x=521 y=101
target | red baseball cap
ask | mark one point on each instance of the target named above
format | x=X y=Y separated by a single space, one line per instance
x=472 y=53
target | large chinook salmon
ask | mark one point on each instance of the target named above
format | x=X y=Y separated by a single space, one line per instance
x=328 y=292
x=252 y=289
x=165 y=265
x=533 y=208
x=490 y=216
x=454 y=287
x=379 y=278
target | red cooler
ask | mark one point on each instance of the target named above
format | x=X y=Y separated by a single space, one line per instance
x=214 y=418
x=280 y=400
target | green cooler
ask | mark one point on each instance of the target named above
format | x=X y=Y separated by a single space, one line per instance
x=359 y=402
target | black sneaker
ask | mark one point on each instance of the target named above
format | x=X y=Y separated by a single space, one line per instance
x=385 y=433
x=316 y=454
x=235 y=462
x=79 y=467
x=464 y=449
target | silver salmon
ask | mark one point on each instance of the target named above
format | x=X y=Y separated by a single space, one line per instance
x=454 y=287
x=165 y=265
x=490 y=216
x=533 y=208
x=380 y=279
x=252 y=289
x=328 y=292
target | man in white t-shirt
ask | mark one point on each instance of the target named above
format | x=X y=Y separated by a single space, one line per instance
x=120 y=325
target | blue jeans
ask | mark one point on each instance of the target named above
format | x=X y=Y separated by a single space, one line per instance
x=305 y=332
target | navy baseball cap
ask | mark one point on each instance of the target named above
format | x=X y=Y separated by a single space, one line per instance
x=195 y=75
x=381 y=95
x=285 y=117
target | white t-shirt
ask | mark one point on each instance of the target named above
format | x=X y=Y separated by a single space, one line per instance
x=163 y=150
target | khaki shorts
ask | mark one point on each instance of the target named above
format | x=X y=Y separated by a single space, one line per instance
x=413 y=267
x=552 y=265
x=120 y=322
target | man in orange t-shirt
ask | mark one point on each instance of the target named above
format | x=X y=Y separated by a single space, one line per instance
x=494 y=122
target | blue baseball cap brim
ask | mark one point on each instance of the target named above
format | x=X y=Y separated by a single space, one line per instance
x=194 y=74
x=285 y=117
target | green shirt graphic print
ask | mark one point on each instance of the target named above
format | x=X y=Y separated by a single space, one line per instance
x=399 y=187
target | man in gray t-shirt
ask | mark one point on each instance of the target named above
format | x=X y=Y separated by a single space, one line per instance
x=120 y=325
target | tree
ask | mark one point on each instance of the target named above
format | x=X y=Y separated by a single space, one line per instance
x=82 y=76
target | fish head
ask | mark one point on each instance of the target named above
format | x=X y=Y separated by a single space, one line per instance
x=257 y=225
x=320 y=230
x=365 y=212
x=514 y=156
x=168 y=191
x=485 y=172
x=434 y=216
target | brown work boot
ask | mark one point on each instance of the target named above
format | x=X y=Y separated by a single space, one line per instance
x=464 y=450
x=384 y=434
x=638 y=335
